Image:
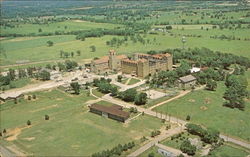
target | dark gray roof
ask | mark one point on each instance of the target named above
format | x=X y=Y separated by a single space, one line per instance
x=186 y=79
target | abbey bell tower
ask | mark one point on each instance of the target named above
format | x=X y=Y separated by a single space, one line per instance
x=112 y=60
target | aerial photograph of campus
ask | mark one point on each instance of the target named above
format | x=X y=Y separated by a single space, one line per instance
x=110 y=78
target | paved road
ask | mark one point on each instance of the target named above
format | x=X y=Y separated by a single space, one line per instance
x=164 y=135
x=235 y=141
x=4 y=152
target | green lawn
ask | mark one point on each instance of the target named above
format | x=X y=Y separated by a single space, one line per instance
x=71 y=128
x=228 y=151
x=205 y=108
x=133 y=81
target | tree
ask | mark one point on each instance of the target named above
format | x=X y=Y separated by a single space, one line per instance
x=187 y=147
x=93 y=48
x=61 y=53
x=76 y=87
x=78 y=52
x=211 y=85
x=70 y=64
x=28 y=122
x=129 y=95
x=72 y=54
x=114 y=91
x=119 y=78
x=50 y=43
x=151 y=154
x=141 y=99
x=12 y=74
x=188 y=117
x=40 y=30
x=46 y=117
x=44 y=75
x=236 y=91
x=34 y=96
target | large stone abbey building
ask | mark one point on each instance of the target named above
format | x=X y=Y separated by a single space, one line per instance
x=140 y=65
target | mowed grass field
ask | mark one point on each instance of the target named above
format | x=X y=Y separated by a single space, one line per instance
x=36 y=49
x=205 y=108
x=66 y=26
x=71 y=128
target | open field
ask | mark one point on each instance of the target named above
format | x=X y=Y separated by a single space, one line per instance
x=37 y=49
x=66 y=26
x=200 y=105
x=80 y=127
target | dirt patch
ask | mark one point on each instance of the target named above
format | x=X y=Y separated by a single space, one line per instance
x=191 y=100
x=75 y=146
x=29 y=138
x=79 y=21
x=207 y=100
x=204 y=108
x=12 y=134
x=58 y=99
x=44 y=108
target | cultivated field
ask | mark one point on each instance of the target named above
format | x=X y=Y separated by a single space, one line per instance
x=66 y=26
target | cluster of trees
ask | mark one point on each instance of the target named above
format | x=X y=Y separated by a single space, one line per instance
x=76 y=87
x=155 y=133
x=209 y=135
x=105 y=87
x=206 y=58
x=116 y=151
x=64 y=54
x=187 y=147
x=236 y=91
x=168 y=78
x=131 y=95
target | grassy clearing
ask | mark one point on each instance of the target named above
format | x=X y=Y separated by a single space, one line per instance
x=228 y=150
x=200 y=105
x=133 y=81
x=49 y=138
x=97 y=93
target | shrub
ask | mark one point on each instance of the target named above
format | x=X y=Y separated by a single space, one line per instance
x=34 y=96
x=28 y=122
x=29 y=97
x=46 y=117
x=188 y=118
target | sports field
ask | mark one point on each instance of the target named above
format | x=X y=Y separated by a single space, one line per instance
x=205 y=108
x=79 y=126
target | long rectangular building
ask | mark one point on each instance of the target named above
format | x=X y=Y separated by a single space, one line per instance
x=114 y=112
